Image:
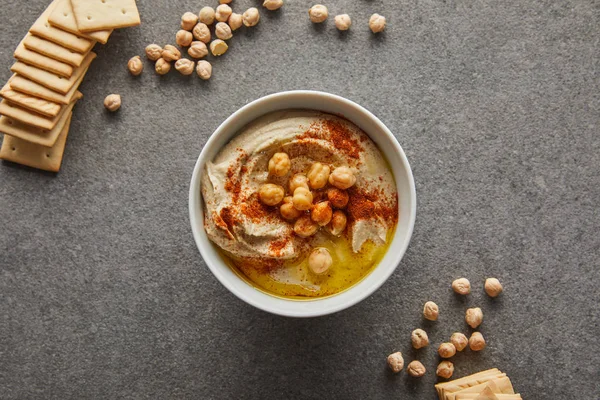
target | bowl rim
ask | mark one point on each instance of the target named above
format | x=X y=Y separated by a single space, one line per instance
x=321 y=306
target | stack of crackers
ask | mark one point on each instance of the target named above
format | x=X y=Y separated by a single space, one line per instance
x=486 y=385
x=52 y=59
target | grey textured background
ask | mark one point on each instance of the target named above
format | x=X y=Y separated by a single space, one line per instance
x=497 y=104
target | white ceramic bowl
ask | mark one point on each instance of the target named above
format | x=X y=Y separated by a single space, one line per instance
x=388 y=145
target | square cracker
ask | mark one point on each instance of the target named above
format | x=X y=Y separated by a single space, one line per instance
x=105 y=14
x=33 y=155
x=53 y=50
x=43 y=29
x=500 y=385
x=39 y=136
x=472 y=381
x=23 y=85
x=27 y=117
x=44 y=107
x=62 y=17
x=42 y=62
x=53 y=81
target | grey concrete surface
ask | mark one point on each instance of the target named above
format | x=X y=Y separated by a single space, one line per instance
x=103 y=294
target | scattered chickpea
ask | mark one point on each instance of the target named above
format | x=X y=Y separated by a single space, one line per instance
x=302 y=199
x=218 y=47
x=235 y=21
x=474 y=317
x=445 y=369
x=223 y=31
x=305 y=227
x=223 y=12
x=271 y=194
x=201 y=32
x=338 y=223
x=322 y=213
x=419 y=338
x=184 y=66
x=153 y=52
x=288 y=211
x=377 y=23
x=416 y=369
x=493 y=287
x=204 y=70
x=251 y=17
x=343 y=22
x=279 y=164
x=298 y=180
x=162 y=66
x=207 y=15
x=342 y=178
x=135 y=66
x=318 y=13
x=320 y=261
x=446 y=350
x=396 y=362
x=459 y=341
x=273 y=5
x=112 y=102
x=171 y=53
x=318 y=175
x=477 y=342
x=188 y=21
x=338 y=198
x=184 y=38
x=462 y=286
x=431 y=311
x=198 y=50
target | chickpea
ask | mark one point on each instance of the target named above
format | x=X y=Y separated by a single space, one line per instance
x=320 y=261
x=416 y=369
x=298 y=180
x=396 y=362
x=342 y=178
x=338 y=223
x=419 y=338
x=288 y=211
x=204 y=70
x=302 y=199
x=318 y=175
x=162 y=66
x=445 y=369
x=198 y=50
x=201 y=32
x=305 y=227
x=171 y=53
x=223 y=12
x=223 y=31
x=322 y=213
x=462 y=286
x=431 y=311
x=112 y=102
x=459 y=341
x=184 y=38
x=153 y=52
x=271 y=194
x=251 y=17
x=446 y=350
x=279 y=164
x=135 y=66
x=477 y=342
x=343 y=22
x=207 y=15
x=318 y=13
x=493 y=287
x=235 y=21
x=218 y=47
x=184 y=66
x=338 y=198
x=273 y=5
x=188 y=20
x=474 y=317
x=377 y=23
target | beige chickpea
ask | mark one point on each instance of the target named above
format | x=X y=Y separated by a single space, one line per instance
x=235 y=21
x=201 y=32
x=279 y=164
x=338 y=198
x=445 y=369
x=461 y=286
x=342 y=178
x=298 y=180
x=419 y=338
x=318 y=13
x=223 y=12
x=204 y=70
x=188 y=21
x=271 y=194
x=318 y=175
x=459 y=340
x=377 y=23
x=251 y=17
x=305 y=227
x=184 y=66
x=153 y=52
x=135 y=66
x=319 y=261
x=446 y=350
x=416 y=369
x=288 y=211
x=493 y=287
x=477 y=342
x=112 y=102
x=184 y=38
x=218 y=47
x=431 y=311
x=162 y=66
x=343 y=22
x=396 y=362
x=223 y=31
x=198 y=50
x=171 y=53
x=474 y=317
x=302 y=199
x=273 y=5
x=338 y=223
x=207 y=15
x=322 y=213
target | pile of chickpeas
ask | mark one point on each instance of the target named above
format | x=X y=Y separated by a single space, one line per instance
x=298 y=205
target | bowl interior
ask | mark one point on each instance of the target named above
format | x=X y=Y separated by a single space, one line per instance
x=387 y=144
